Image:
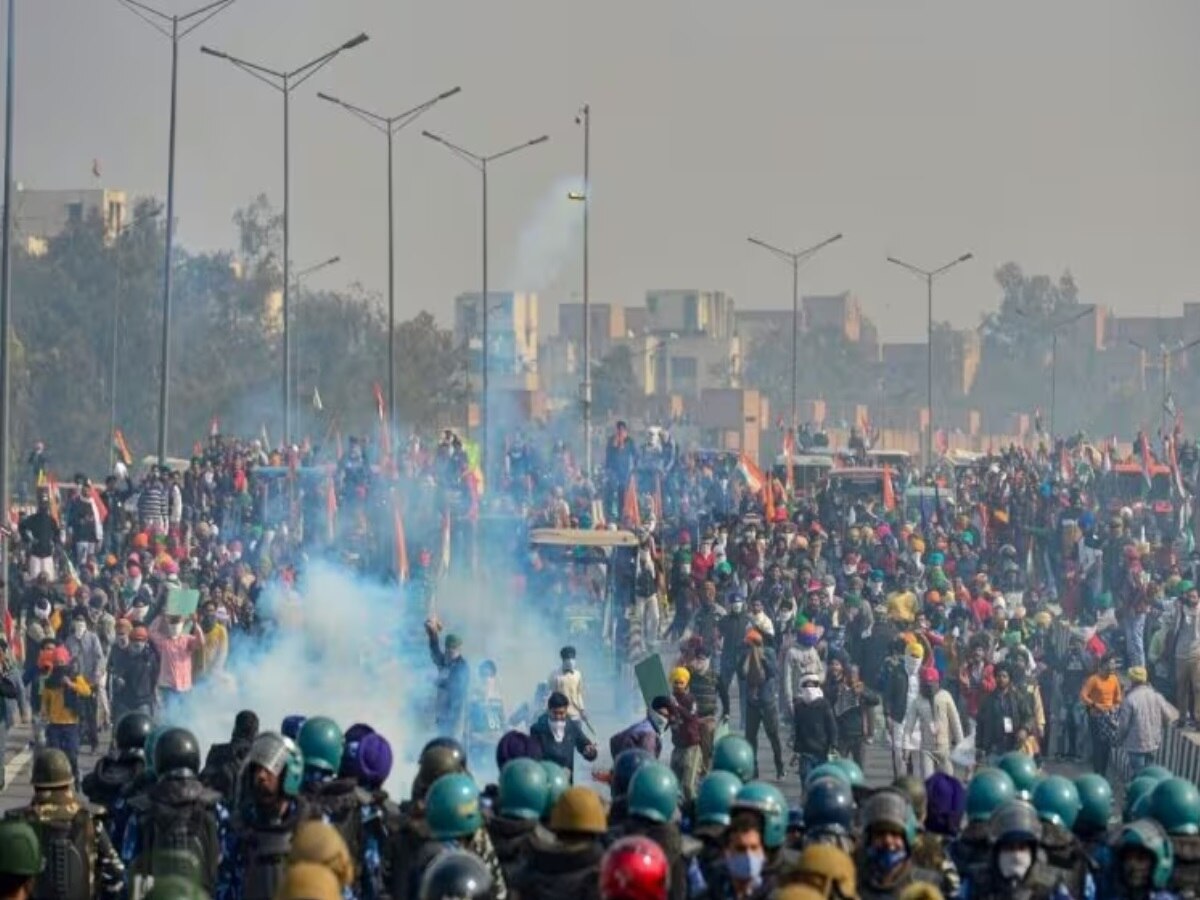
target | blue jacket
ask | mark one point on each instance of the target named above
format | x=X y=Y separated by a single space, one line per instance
x=453 y=686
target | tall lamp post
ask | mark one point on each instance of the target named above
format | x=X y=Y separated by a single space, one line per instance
x=584 y=118
x=286 y=81
x=6 y=298
x=316 y=267
x=389 y=125
x=795 y=260
x=1054 y=328
x=175 y=28
x=112 y=383
x=480 y=163
x=929 y=275
x=1166 y=354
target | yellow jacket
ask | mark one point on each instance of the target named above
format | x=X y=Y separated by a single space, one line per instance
x=54 y=701
x=211 y=657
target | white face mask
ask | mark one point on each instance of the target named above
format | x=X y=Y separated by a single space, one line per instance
x=912 y=665
x=122 y=640
x=42 y=612
x=1013 y=864
x=558 y=729
x=568 y=665
x=79 y=628
x=137 y=613
x=176 y=630
x=810 y=693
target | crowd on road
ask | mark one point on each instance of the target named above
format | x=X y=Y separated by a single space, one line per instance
x=1022 y=610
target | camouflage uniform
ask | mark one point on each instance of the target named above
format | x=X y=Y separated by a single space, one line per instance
x=80 y=858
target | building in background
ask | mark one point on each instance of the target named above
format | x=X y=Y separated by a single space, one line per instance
x=512 y=337
x=607 y=326
x=40 y=215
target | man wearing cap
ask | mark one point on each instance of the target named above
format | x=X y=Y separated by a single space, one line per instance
x=1140 y=720
x=1184 y=646
x=453 y=681
x=21 y=860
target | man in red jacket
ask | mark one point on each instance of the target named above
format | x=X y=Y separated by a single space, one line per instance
x=685 y=734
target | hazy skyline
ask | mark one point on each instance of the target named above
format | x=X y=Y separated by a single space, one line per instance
x=1059 y=135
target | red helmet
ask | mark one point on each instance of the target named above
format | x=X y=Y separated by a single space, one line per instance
x=634 y=868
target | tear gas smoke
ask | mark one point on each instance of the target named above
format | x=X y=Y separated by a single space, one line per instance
x=550 y=240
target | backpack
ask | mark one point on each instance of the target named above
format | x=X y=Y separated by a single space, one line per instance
x=68 y=842
x=343 y=810
x=190 y=827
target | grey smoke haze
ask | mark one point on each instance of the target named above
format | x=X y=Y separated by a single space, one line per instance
x=1057 y=135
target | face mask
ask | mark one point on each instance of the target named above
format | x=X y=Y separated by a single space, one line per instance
x=175 y=630
x=686 y=569
x=737 y=607
x=745 y=866
x=1013 y=864
x=137 y=646
x=42 y=612
x=882 y=860
x=659 y=721
x=137 y=613
x=568 y=665
x=912 y=665
x=700 y=666
x=79 y=629
x=810 y=694
x=558 y=729
x=122 y=640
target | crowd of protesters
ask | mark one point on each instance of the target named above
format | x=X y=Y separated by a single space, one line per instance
x=1021 y=617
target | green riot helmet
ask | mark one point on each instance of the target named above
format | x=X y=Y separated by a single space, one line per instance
x=1137 y=790
x=987 y=790
x=1023 y=771
x=557 y=781
x=1158 y=773
x=1146 y=834
x=625 y=766
x=524 y=789
x=715 y=797
x=890 y=809
x=452 y=807
x=654 y=793
x=733 y=753
x=322 y=744
x=132 y=731
x=279 y=756
x=52 y=770
x=828 y=770
x=766 y=800
x=852 y=769
x=1095 y=803
x=1057 y=801
x=1175 y=804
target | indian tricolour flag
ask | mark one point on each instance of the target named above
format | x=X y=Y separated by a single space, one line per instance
x=752 y=473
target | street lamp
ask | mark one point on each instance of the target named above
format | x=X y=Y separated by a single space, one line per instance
x=6 y=294
x=1166 y=353
x=795 y=259
x=929 y=275
x=480 y=163
x=1055 y=327
x=584 y=118
x=170 y=27
x=285 y=82
x=112 y=384
x=316 y=267
x=389 y=125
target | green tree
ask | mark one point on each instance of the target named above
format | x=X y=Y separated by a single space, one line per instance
x=614 y=384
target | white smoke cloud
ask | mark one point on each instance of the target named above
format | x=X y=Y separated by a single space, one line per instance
x=551 y=239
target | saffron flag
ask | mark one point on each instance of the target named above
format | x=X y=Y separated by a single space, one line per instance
x=331 y=507
x=122 y=447
x=789 y=448
x=631 y=516
x=401 y=543
x=889 y=490
x=751 y=473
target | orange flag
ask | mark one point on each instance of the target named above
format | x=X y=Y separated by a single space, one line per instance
x=331 y=506
x=401 y=544
x=631 y=516
x=889 y=490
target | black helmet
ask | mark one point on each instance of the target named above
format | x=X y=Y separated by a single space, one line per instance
x=829 y=807
x=456 y=875
x=132 y=731
x=177 y=753
x=625 y=766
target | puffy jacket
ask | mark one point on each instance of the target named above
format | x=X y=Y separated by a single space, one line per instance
x=799 y=664
x=1142 y=717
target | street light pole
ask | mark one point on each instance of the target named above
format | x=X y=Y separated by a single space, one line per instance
x=795 y=259
x=169 y=26
x=1165 y=356
x=480 y=163
x=112 y=384
x=390 y=125
x=1055 y=327
x=316 y=267
x=286 y=81
x=929 y=275
x=6 y=298
x=586 y=114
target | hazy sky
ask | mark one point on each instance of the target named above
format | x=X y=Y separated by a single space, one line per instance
x=1061 y=134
